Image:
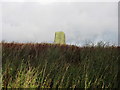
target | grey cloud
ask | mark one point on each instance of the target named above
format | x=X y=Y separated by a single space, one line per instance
x=80 y=21
x=0 y=22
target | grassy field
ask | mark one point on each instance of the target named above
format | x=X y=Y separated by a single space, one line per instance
x=59 y=66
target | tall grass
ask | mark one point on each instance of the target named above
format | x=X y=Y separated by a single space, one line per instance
x=59 y=66
x=0 y=66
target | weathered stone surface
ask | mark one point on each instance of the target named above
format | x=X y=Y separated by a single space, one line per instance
x=59 y=37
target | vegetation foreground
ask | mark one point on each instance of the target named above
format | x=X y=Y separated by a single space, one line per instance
x=58 y=66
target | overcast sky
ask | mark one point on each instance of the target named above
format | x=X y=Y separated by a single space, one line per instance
x=81 y=21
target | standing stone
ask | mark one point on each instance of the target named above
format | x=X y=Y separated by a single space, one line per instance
x=59 y=38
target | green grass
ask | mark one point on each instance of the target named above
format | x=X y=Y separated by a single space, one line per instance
x=58 y=66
